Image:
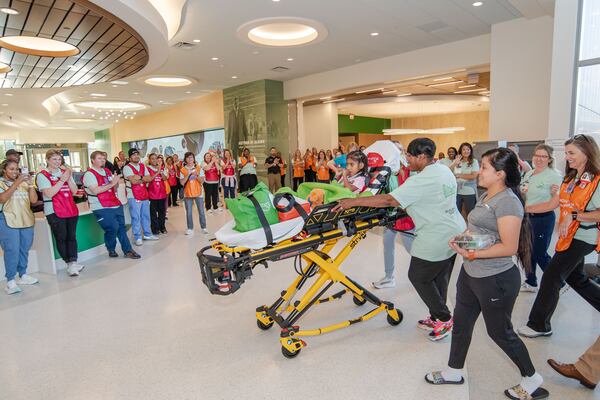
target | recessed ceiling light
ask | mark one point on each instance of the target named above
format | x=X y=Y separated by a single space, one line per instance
x=169 y=81
x=188 y=92
x=120 y=83
x=290 y=59
x=477 y=3
x=98 y=94
x=374 y=33
x=256 y=52
x=197 y=40
x=215 y=58
x=136 y=93
x=106 y=105
x=282 y=31
x=8 y=94
x=234 y=77
x=4 y=105
x=7 y=10
x=115 y=86
x=275 y=1
x=38 y=46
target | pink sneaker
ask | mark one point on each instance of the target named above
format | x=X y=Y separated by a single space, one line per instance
x=426 y=324
x=441 y=330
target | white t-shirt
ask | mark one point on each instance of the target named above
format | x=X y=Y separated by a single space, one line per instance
x=43 y=183
x=127 y=171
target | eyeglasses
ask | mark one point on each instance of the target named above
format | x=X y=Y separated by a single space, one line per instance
x=581 y=136
x=543 y=156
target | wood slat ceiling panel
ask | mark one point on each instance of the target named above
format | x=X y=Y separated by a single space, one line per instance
x=109 y=50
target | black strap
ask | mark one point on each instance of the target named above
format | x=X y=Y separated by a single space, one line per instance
x=261 y=218
x=292 y=203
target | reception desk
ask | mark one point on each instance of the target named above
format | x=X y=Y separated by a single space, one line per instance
x=44 y=257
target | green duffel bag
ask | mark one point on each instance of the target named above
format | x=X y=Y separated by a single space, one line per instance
x=253 y=209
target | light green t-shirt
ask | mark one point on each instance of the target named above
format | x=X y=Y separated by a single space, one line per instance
x=589 y=235
x=445 y=161
x=89 y=179
x=465 y=186
x=429 y=198
x=43 y=183
x=539 y=185
x=248 y=168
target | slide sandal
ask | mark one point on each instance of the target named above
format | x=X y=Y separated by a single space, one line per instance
x=438 y=379
x=539 y=393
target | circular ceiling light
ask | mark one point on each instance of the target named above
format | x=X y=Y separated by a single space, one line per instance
x=4 y=68
x=8 y=10
x=38 y=46
x=169 y=81
x=282 y=31
x=103 y=105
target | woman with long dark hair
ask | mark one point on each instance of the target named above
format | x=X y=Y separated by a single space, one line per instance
x=298 y=168
x=465 y=168
x=579 y=202
x=247 y=165
x=489 y=281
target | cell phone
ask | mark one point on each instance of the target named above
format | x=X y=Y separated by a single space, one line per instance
x=25 y=170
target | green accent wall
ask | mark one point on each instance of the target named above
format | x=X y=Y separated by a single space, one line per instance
x=102 y=140
x=362 y=124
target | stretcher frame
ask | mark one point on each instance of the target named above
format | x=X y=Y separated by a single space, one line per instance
x=234 y=265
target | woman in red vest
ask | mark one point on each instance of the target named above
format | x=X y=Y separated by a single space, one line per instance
x=228 y=181
x=58 y=187
x=173 y=181
x=157 y=193
x=579 y=201
x=212 y=171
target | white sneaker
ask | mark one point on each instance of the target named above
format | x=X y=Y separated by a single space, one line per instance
x=189 y=232
x=220 y=209
x=530 y=333
x=205 y=231
x=151 y=237
x=27 y=280
x=525 y=287
x=72 y=270
x=11 y=287
x=138 y=242
x=210 y=211
x=79 y=267
x=385 y=283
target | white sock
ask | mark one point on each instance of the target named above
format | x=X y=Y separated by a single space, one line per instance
x=449 y=375
x=530 y=383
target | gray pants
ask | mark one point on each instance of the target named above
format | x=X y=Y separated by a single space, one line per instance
x=389 y=248
x=189 y=215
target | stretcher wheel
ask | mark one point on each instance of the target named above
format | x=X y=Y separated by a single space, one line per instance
x=358 y=301
x=288 y=354
x=264 y=327
x=392 y=321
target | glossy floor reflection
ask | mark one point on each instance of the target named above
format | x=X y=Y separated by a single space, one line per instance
x=149 y=329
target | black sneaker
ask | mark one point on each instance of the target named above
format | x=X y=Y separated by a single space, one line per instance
x=132 y=254
x=113 y=254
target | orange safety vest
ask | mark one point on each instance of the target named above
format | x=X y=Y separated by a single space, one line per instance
x=244 y=161
x=283 y=168
x=323 y=172
x=314 y=161
x=298 y=169
x=192 y=188
x=576 y=200
x=308 y=162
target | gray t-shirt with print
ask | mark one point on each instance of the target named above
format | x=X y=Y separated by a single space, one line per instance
x=483 y=219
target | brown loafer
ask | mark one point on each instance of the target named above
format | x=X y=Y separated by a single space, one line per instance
x=570 y=371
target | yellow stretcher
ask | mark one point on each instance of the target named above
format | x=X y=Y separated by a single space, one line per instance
x=226 y=269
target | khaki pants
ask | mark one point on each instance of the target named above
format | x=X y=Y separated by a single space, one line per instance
x=589 y=363
x=274 y=182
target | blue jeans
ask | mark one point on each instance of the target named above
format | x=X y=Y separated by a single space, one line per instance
x=140 y=217
x=189 y=208
x=389 y=248
x=228 y=191
x=542 y=227
x=15 y=243
x=112 y=221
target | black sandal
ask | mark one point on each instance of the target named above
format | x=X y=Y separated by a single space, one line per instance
x=438 y=379
x=538 y=394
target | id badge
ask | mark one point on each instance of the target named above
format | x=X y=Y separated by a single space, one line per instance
x=571 y=187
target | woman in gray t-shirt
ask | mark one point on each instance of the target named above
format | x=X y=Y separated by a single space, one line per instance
x=489 y=282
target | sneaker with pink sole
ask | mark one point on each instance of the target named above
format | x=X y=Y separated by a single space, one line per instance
x=426 y=324
x=441 y=330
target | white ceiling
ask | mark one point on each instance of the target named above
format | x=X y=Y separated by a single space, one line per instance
x=403 y=25
x=415 y=106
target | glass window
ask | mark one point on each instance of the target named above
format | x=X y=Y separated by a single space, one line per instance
x=590 y=30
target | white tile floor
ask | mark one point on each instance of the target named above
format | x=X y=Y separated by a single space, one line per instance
x=149 y=329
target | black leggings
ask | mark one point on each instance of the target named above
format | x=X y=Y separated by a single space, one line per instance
x=282 y=180
x=173 y=196
x=565 y=266
x=469 y=201
x=247 y=182
x=158 y=213
x=430 y=279
x=211 y=195
x=65 y=234
x=494 y=297
x=296 y=182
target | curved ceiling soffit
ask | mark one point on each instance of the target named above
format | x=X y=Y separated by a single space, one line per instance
x=172 y=13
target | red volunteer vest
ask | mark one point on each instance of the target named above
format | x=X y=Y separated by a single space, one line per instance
x=211 y=174
x=229 y=170
x=139 y=190
x=172 y=176
x=109 y=198
x=63 y=202
x=156 y=188
x=405 y=223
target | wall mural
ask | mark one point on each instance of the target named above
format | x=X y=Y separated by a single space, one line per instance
x=198 y=143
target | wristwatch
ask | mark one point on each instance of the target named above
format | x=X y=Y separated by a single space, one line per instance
x=574 y=215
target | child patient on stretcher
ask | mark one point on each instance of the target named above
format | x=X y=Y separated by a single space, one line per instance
x=356 y=174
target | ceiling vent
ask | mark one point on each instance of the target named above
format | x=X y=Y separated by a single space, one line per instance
x=433 y=27
x=280 y=69
x=184 y=45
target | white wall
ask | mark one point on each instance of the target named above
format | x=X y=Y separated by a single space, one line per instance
x=520 y=79
x=51 y=136
x=319 y=127
x=431 y=60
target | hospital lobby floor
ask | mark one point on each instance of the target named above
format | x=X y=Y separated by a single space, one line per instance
x=149 y=329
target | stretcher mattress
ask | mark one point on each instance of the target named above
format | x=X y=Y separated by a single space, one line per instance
x=256 y=239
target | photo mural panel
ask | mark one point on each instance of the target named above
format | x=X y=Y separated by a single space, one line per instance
x=198 y=143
